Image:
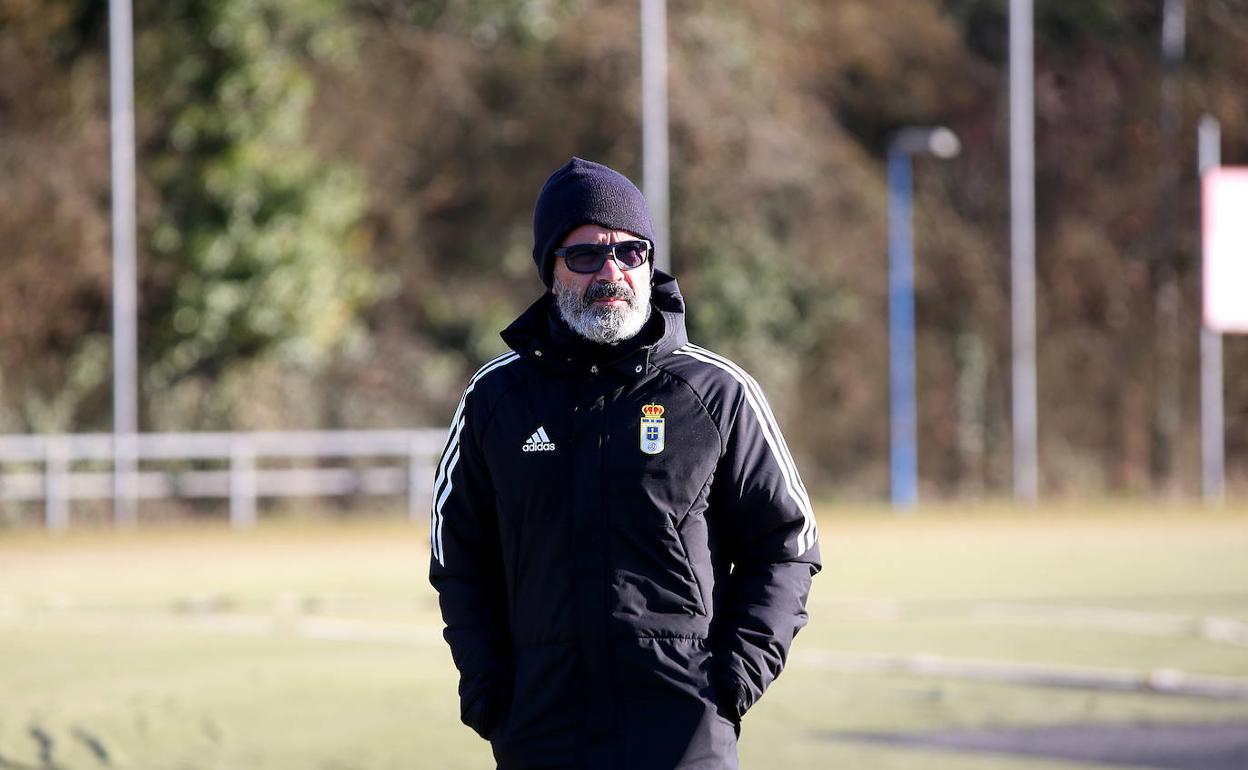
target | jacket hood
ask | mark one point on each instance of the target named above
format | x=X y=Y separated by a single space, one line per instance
x=530 y=334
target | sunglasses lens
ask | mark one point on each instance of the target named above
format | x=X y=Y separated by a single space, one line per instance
x=631 y=254
x=585 y=258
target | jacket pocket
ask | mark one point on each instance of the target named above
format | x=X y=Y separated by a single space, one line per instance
x=543 y=719
x=482 y=707
x=652 y=575
x=690 y=572
x=695 y=540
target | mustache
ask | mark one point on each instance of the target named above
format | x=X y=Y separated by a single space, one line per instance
x=619 y=290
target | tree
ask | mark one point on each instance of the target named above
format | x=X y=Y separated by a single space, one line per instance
x=255 y=244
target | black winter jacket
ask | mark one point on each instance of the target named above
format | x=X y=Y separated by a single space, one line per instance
x=622 y=550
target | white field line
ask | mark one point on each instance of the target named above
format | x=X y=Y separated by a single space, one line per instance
x=1210 y=628
x=1166 y=681
x=231 y=624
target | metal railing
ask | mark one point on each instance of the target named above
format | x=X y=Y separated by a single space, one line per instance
x=408 y=458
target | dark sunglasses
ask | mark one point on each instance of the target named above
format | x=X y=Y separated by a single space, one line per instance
x=590 y=257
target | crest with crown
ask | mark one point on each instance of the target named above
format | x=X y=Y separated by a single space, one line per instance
x=652 y=410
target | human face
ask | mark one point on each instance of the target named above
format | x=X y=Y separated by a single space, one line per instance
x=608 y=306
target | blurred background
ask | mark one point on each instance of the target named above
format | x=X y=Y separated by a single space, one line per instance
x=334 y=205
x=335 y=199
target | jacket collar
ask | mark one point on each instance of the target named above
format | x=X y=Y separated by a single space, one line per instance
x=551 y=344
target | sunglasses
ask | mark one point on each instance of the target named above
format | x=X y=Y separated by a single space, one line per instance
x=590 y=257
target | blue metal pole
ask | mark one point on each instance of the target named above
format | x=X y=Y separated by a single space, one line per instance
x=903 y=454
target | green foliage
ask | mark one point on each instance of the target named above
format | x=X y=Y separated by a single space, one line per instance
x=486 y=22
x=88 y=369
x=256 y=240
x=744 y=296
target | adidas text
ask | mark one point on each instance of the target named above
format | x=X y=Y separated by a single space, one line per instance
x=538 y=442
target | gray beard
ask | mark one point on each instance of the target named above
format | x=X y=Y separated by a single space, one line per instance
x=598 y=323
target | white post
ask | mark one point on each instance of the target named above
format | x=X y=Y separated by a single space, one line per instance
x=1023 y=251
x=125 y=366
x=242 y=482
x=654 y=145
x=1212 y=429
x=56 y=484
x=125 y=479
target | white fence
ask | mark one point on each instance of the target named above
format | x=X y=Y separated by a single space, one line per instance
x=405 y=467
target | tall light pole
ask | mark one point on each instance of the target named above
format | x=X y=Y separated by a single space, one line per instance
x=1023 y=251
x=1212 y=428
x=903 y=419
x=1168 y=294
x=125 y=274
x=655 y=185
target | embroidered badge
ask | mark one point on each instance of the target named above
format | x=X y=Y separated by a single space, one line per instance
x=652 y=429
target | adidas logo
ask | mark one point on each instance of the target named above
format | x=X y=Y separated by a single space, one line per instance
x=538 y=442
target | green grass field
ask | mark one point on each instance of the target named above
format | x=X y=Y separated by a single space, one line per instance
x=317 y=646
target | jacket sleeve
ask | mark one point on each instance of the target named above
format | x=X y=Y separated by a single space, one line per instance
x=466 y=569
x=769 y=530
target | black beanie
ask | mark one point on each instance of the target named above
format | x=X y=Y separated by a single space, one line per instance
x=583 y=192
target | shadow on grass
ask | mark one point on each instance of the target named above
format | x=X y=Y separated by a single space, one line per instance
x=46 y=745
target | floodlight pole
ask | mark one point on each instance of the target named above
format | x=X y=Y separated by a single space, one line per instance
x=125 y=280
x=1212 y=428
x=1023 y=251
x=654 y=139
x=1168 y=294
x=903 y=419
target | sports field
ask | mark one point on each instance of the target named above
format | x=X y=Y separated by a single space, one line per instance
x=317 y=646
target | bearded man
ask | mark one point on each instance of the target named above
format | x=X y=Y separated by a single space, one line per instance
x=621 y=543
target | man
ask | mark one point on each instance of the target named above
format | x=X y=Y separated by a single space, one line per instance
x=621 y=544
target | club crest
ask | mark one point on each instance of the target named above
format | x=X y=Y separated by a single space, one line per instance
x=652 y=429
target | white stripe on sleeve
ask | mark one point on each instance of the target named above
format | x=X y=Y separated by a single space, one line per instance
x=450 y=456
x=784 y=447
x=771 y=434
